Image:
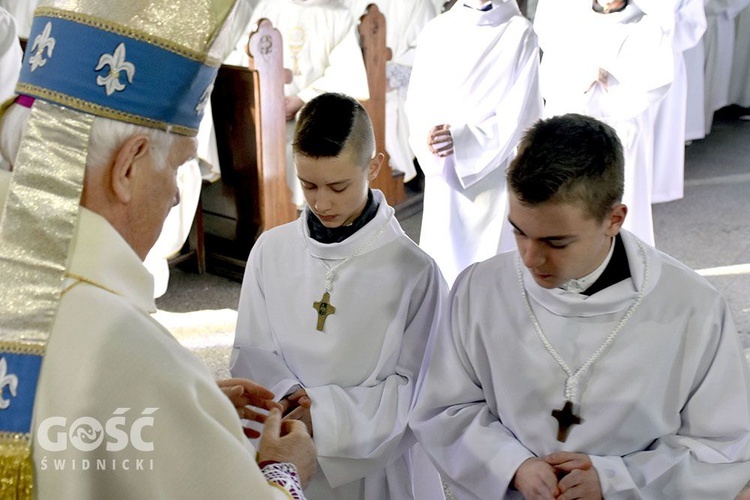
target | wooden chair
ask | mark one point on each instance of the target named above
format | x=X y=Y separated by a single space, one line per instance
x=252 y=195
x=372 y=34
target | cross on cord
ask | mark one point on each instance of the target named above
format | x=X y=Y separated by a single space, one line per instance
x=324 y=308
x=565 y=420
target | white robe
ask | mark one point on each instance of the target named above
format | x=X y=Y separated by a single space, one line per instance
x=23 y=13
x=665 y=409
x=321 y=49
x=404 y=21
x=719 y=53
x=10 y=56
x=695 y=116
x=635 y=47
x=360 y=372
x=739 y=86
x=176 y=228
x=107 y=353
x=486 y=87
x=670 y=115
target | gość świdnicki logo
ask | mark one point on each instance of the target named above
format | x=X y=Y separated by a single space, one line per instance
x=87 y=434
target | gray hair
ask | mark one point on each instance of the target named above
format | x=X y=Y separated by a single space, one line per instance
x=105 y=139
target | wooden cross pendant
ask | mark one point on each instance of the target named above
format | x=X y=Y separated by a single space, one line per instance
x=324 y=308
x=565 y=420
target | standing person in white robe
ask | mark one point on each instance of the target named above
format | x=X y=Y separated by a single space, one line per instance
x=102 y=401
x=404 y=21
x=335 y=312
x=10 y=55
x=719 y=53
x=474 y=89
x=613 y=61
x=695 y=116
x=10 y=62
x=177 y=225
x=586 y=363
x=23 y=13
x=322 y=51
x=739 y=87
x=670 y=114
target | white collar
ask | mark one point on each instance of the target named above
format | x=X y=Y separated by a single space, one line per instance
x=579 y=285
x=614 y=298
x=344 y=249
x=104 y=258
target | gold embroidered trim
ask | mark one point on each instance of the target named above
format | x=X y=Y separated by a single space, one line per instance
x=15 y=436
x=70 y=288
x=16 y=466
x=88 y=282
x=16 y=347
x=106 y=25
x=95 y=109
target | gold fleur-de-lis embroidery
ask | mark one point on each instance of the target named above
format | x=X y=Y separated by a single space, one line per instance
x=42 y=42
x=117 y=64
x=204 y=99
x=6 y=379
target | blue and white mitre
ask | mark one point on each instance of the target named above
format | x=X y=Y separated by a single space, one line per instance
x=149 y=63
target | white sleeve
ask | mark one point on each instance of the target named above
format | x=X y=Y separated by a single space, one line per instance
x=639 y=54
x=345 y=72
x=256 y=355
x=481 y=148
x=709 y=455
x=469 y=444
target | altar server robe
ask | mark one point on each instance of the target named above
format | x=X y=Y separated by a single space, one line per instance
x=719 y=53
x=176 y=228
x=634 y=47
x=404 y=20
x=478 y=72
x=322 y=51
x=108 y=359
x=360 y=371
x=670 y=114
x=695 y=116
x=10 y=55
x=739 y=87
x=22 y=12
x=665 y=409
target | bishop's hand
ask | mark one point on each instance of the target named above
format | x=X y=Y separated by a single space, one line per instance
x=288 y=441
x=245 y=394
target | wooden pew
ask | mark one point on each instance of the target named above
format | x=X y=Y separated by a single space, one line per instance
x=372 y=35
x=252 y=195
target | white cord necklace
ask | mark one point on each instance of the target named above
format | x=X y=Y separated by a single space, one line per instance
x=566 y=418
x=324 y=307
